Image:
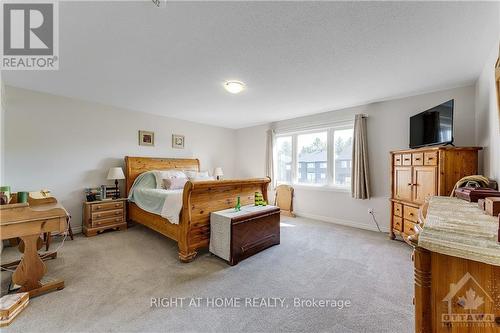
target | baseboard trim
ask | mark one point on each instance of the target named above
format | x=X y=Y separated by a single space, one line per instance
x=344 y=222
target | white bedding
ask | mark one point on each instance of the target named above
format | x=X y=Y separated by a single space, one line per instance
x=166 y=203
x=172 y=206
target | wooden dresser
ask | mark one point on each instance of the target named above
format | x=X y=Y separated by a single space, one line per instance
x=418 y=174
x=102 y=215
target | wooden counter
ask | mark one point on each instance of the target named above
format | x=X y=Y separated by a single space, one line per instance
x=457 y=268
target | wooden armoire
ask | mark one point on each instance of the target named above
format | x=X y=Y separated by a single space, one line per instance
x=420 y=173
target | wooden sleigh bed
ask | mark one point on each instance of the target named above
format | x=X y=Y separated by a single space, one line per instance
x=200 y=198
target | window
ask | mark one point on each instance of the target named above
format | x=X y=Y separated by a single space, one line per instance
x=342 y=140
x=284 y=159
x=312 y=149
x=322 y=157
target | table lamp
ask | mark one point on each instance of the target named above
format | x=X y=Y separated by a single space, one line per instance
x=116 y=173
x=218 y=173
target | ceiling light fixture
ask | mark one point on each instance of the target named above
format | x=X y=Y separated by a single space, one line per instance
x=234 y=87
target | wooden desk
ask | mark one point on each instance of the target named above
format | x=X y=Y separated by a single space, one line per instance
x=457 y=268
x=28 y=221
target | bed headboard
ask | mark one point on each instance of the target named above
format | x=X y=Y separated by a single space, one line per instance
x=134 y=166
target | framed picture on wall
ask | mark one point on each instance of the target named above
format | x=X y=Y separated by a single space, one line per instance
x=177 y=141
x=146 y=138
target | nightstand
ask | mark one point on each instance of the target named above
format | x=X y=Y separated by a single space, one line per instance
x=103 y=215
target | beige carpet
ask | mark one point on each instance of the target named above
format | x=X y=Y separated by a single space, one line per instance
x=111 y=278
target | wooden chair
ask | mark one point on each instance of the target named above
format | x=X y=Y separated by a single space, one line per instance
x=284 y=199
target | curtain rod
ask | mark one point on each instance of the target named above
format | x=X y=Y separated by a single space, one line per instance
x=313 y=126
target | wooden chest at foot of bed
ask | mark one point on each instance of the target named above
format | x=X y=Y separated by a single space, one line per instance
x=235 y=236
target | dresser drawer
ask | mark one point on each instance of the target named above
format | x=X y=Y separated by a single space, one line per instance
x=111 y=220
x=107 y=213
x=397 y=223
x=409 y=227
x=406 y=159
x=398 y=160
x=417 y=158
x=107 y=206
x=398 y=209
x=430 y=158
x=410 y=213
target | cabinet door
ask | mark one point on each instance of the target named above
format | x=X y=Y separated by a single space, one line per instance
x=424 y=183
x=402 y=183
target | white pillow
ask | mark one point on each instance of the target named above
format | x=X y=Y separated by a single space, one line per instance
x=164 y=174
x=194 y=175
x=203 y=178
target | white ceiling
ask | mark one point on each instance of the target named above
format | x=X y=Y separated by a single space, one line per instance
x=296 y=58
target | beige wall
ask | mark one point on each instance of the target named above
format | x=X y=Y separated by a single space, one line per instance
x=66 y=144
x=388 y=124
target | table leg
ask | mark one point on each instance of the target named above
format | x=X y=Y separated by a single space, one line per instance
x=31 y=269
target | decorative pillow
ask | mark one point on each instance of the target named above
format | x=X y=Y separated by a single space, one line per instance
x=165 y=174
x=174 y=183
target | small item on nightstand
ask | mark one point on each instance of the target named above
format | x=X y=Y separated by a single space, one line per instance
x=237 y=208
x=480 y=204
x=492 y=206
x=116 y=174
x=92 y=194
x=103 y=192
x=218 y=173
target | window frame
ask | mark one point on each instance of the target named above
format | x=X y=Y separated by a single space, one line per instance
x=330 y=170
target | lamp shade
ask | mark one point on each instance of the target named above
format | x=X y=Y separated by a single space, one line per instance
x=218 y=172
x=116 y=173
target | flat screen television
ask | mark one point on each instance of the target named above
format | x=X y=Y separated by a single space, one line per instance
x=433 y=126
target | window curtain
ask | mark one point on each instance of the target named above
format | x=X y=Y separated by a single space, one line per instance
x=270 y=155
x=360 y=181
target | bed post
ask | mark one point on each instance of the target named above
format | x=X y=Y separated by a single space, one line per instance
x=185 y=254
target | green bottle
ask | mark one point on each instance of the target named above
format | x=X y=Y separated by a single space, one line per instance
x=238 y=205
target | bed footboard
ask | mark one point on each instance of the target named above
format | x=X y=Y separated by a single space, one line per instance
x=203 y=197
